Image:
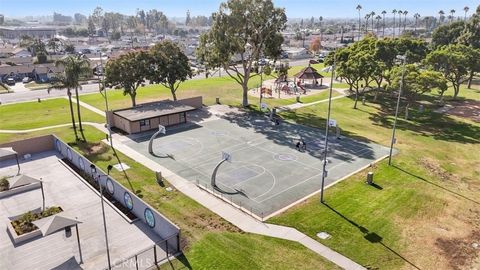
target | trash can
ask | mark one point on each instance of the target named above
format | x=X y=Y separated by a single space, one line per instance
x=217 y=100
x=370 y=178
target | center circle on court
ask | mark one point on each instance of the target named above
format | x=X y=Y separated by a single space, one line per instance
x=285 y=157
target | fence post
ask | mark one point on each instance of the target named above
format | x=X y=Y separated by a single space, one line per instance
x=166 y=243
x=136 y=261
x=155 y=253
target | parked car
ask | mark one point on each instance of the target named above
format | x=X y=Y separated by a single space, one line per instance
x=26 y=79
x=10 y=81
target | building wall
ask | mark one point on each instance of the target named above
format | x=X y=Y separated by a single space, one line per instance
x=196 y=102
x=30 y=146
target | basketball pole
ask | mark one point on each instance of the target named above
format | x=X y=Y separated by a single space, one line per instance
x=324 y=172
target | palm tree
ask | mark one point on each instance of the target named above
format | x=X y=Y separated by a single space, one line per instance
x=366 y=22
x=452 y=11
x=416 y=16
x=466 y=10
x=359 y=20
x=400 y=12
x=405 y=20
x=372 y=15
x=393 y=28
x=441 y=15
x=378 y=18
x=383 y=26
x=320 y=19
x=74 y=67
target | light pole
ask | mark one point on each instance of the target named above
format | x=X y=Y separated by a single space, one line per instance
x=404 y=59
x=324 y=172
x=94 y=171
x=101 y=86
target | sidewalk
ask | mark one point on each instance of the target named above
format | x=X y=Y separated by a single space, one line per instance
x=99 y=126
x=233 y=215
x=88 y=106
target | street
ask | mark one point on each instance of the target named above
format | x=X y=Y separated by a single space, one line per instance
x=26 y=95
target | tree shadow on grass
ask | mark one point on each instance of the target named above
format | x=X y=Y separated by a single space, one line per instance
x=426 y=123
x=437 y=185
x=372 y=237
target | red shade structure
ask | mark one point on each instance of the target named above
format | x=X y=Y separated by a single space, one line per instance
x=309 y=73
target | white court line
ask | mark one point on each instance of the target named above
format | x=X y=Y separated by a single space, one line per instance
x=278 y=193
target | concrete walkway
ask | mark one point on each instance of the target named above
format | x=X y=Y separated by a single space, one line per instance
x=232 y=214
x=301 y=105
x=20 y=131
x=88 y=106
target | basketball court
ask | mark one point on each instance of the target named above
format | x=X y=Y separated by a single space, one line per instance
x=266 y=172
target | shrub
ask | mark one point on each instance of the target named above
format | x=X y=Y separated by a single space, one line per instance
x=24 y=224
x=4 y=184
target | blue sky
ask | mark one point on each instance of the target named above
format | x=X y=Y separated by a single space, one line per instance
x=177 y=8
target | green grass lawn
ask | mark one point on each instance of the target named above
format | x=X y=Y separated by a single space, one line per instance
x=431 y=189
x=225 y=88
x=29 y=115
x=209 y=241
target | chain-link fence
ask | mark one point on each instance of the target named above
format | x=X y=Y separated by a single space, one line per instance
x=149 y=257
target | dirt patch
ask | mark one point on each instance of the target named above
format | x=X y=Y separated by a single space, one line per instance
x=436 y=170
x=468 y=109
x=461 y=252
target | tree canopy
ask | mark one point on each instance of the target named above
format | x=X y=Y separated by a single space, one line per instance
x=168 y=65
x=242 y=32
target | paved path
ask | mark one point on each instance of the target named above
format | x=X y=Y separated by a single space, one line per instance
x=20 y=131
x=232 y=214
x=301 y=105
x=88 y=106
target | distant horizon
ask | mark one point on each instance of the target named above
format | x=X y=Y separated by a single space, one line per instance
x=295 y=9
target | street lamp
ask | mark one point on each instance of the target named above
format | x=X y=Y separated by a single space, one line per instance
x=93 y=169
x=102 y=87
x=324 y=171
x=403 y=58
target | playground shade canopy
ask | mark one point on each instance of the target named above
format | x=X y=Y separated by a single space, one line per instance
x=21 y=180
x=308 y=73
x=54 y=223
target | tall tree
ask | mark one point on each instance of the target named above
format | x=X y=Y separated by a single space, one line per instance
x=75 y=67
x=416 y=82
x=471 y=37
x=400 y=13
x=359 y=8
x=465 y=9
x=54 y=44
x=447 y=34
x=91 y=26
x=453 y=61
x=188 y=19
x=452 y=12
x=405 y=19
x=259 y=35
x=128 y=71
x=383 y=23
x=393 y=28
x=416 y=16
x=168 y=66
x=441 y=16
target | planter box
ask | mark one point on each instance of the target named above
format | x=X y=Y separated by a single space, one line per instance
x=24 y=237
x=17 y=190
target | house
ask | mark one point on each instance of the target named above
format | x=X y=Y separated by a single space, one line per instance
x=16 y=72
x=21 y=52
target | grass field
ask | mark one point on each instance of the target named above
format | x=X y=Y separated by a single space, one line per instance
x=225 y=88
x=422 y=211
x=209 y=241
x=29 y=115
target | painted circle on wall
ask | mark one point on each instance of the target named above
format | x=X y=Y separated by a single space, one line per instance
x=81 y=163
x=110 y=186
x=149 y=217
x=69 y=154
x=58 y=145
x=128 y=200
